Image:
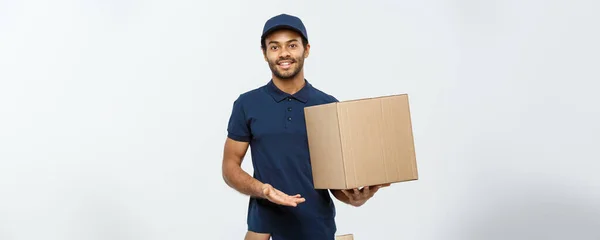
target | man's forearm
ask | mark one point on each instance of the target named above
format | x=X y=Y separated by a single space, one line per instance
x=238 y=179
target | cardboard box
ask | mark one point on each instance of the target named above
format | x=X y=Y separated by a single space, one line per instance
x=361 y=142
x=345 y=237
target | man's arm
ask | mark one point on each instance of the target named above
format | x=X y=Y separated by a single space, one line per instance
x=234 y=175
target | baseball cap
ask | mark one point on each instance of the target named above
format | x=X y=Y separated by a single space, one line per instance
x=283 y=21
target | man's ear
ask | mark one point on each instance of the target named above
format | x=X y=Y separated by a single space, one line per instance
x=307 y=50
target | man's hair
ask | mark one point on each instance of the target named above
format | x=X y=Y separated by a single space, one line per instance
x=263 y=45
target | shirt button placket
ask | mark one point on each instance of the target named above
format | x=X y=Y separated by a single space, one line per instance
x=288 y=113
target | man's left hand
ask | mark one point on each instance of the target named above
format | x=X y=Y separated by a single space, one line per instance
x=358 y=197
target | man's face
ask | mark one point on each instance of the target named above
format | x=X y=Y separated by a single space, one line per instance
x=285 y=53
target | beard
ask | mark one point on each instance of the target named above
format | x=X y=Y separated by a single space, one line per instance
x=297 y=65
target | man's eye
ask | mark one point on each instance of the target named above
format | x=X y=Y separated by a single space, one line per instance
x=293 y=45
x=274 y=47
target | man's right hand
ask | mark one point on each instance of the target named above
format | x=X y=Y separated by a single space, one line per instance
x=238 y=179
x=278 y=197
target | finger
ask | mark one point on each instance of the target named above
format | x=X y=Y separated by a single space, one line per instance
x=374 y=190
x=366 y=190
x=296 y=198
x=347 y=193
x=266 y=191
x=294 y=201
x=380 y=186
x=284 y=201
x=356 y=191
x=284 y=194
x=273 y=195
x=291 y=198
x=280 y=193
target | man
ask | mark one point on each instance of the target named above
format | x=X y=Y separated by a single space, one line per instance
x=270 y=119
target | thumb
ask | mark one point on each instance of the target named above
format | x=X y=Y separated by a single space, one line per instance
x=266 y=190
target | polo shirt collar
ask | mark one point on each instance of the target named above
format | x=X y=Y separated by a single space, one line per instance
x=279 y=95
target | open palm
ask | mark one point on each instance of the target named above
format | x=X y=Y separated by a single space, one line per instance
x=278 y=197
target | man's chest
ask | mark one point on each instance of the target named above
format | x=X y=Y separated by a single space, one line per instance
x=283 y=120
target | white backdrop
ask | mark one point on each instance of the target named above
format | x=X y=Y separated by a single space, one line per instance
x=113 y=114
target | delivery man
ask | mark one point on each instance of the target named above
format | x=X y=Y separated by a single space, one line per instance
x=283 y=203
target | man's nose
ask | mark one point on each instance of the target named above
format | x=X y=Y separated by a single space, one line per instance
x=285 y=53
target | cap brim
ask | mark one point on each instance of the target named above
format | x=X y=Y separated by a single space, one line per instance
x=280 y=27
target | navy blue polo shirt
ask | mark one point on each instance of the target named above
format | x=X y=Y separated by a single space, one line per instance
x=272 y=121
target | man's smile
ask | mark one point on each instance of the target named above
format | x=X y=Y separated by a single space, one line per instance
x=286 y=64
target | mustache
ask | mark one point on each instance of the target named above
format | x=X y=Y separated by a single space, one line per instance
x=285 y=59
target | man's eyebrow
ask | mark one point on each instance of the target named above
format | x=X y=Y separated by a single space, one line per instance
x=276 y=42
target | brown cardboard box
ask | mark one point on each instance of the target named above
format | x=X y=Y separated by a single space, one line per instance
x=345 y=237
x=361 y=142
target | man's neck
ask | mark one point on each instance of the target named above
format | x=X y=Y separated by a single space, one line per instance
x=290 y=86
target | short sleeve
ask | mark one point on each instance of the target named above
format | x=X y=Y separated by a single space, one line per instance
x=237 y=128
x=333 y=99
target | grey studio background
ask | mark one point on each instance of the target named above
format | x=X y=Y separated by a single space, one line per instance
x=113 y=114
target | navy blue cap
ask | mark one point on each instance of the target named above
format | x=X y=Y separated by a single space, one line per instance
x=284 y=21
